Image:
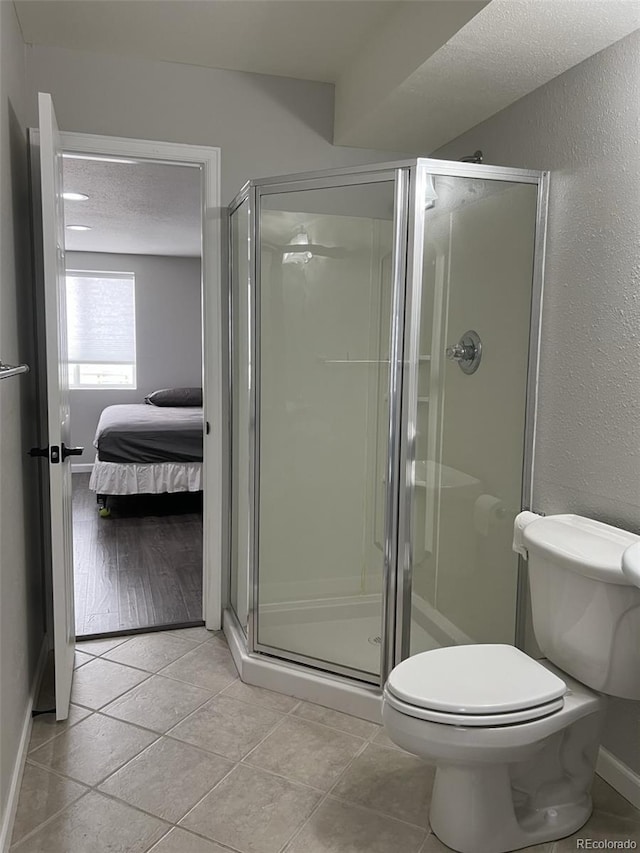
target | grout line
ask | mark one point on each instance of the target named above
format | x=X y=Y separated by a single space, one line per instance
x=329 y=795
x=289 y=779
x=49 y=820
x=112 y=716
x=197 y=835
x=140 y=667
x=62 y=731
x=211 y=698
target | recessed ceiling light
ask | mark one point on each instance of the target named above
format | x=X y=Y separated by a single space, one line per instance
x=75 y=196
x=79 y=227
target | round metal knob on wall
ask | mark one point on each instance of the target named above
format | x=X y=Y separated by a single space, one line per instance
x=467 y=352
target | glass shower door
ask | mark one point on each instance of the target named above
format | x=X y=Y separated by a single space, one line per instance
x=323 y=315
x=475 y=239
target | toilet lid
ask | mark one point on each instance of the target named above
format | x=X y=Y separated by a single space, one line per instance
x=481 y=679
x=510 y=718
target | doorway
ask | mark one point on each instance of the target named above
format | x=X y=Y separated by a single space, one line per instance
x=142 y=558
x=133 y=246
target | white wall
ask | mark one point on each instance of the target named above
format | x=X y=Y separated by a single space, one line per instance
x=168 y=334
x=21 y=620
x=264 y=125
x=583 y=126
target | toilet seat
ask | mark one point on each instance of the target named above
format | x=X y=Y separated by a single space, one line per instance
x=480 y=685
x=526 y=715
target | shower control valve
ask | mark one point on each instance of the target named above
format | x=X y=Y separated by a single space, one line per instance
x=467 y=352
x=459 y=352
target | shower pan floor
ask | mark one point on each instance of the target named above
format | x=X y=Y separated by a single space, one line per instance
x=353 y=642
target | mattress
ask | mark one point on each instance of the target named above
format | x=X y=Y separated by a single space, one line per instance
x=137 y=432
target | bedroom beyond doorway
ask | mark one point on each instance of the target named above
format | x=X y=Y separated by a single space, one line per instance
x=133 y=243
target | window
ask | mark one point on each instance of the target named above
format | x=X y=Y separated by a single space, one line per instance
x=101 y=329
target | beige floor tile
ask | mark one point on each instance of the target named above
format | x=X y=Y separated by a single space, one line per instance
x=99 y=647
x=151 y=652
x=227 y=726
x=194 y=635
x=601 y=827
x=306 y=752
x=158 y=703
x=259 y=696
x=207 y=665
x=253 y=811
x=607 y=799
x=80 y=658
x=95 y=824
x=335 y=719
x=42 y=795
x=338 y=827
x=101 y=681
x=390 y=782
x=45 y=726
x=93 y=748
x=383 y=739
x=181 y=841
x=217 y=638
x=434 y=845
x=167 y=779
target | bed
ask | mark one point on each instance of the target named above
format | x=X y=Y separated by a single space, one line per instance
x=147 y=449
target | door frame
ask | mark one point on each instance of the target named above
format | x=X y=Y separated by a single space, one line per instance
x=213 y=349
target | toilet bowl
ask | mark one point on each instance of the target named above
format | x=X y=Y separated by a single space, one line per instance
x=514 y=739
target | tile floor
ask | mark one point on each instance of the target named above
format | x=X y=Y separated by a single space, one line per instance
x=165 y=750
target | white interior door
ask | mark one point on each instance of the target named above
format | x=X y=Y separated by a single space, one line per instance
x=57 y=380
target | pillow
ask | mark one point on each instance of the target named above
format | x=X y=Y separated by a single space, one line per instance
x=175 y=397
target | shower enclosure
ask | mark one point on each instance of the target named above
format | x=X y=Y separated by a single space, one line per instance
x=384 y=326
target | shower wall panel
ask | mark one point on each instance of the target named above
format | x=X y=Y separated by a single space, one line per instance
x=477 y=275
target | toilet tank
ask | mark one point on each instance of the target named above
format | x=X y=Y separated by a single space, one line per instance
x=586 y=613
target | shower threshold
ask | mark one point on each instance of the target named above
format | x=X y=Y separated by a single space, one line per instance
x=345 y=630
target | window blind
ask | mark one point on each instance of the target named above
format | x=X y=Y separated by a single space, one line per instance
x=101 y=317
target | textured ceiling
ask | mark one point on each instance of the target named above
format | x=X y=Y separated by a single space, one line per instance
x=410 y=75
x=307 y=39
x=133 y=208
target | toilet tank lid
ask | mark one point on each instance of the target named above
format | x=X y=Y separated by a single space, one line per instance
x=583 y=545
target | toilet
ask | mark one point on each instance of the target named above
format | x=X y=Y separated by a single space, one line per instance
x=515 y=740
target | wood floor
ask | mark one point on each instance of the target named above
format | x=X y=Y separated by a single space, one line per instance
x=139 y=568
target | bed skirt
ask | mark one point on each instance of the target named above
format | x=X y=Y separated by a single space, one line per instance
x=116 y=478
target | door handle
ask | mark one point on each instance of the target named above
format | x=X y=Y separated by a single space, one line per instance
x=51 y=453
x=71 y=451
x=39 y=451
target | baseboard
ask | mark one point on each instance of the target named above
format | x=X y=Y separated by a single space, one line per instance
x=6 y=830
x=81 y=467
x=625 y=781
